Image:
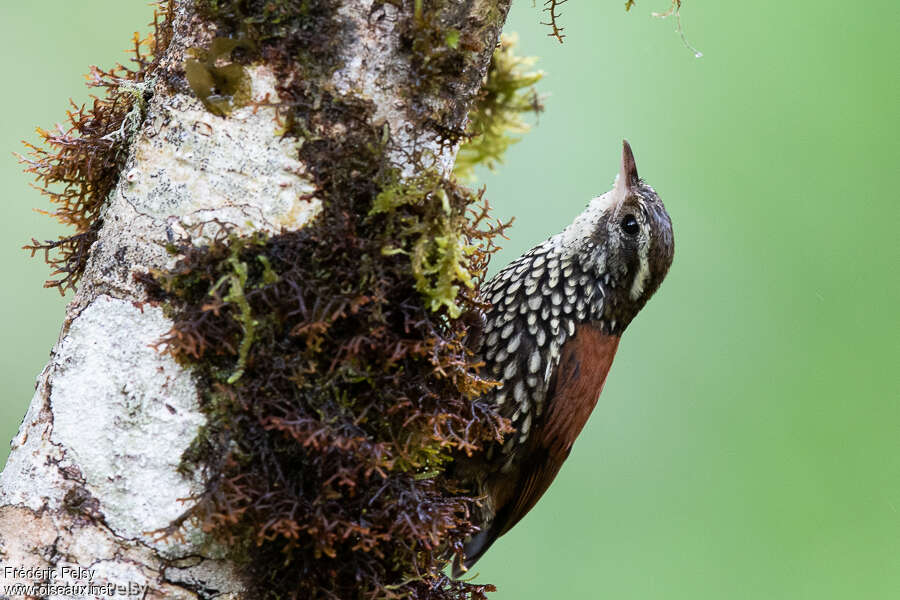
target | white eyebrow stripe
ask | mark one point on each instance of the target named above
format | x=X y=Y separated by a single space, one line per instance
x=640 y=278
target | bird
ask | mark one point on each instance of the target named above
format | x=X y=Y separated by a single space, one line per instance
x=555 y=318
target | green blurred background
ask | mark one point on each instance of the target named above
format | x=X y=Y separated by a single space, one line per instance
x=747 y=444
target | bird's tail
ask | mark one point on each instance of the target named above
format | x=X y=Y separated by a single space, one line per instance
x=474 y=549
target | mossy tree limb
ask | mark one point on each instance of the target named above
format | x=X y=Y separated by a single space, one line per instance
x=283 y=139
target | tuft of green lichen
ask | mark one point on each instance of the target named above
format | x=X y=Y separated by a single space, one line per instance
x=497 y=120
x=426 y=218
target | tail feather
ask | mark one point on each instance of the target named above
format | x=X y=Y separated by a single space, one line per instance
x=474 y=549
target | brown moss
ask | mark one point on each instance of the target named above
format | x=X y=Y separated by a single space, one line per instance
x=335 y=376
x=351 y=395
x=78 y=167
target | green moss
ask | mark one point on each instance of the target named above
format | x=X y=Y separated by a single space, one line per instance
x=236 y=282
x=426 y=226
x=446 y=43
x=438 y=48
x=496 y=122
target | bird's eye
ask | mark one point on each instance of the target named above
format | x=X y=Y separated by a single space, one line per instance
x=630 y=225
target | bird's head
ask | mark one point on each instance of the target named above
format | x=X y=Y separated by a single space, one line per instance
x=625 y=238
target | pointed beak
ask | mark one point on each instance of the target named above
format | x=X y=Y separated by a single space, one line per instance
x=628 y=169
x=628 y=175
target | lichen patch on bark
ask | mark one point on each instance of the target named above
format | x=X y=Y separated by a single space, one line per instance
x=104 y=417
x=185 y=165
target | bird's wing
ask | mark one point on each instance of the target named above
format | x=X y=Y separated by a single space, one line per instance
x=573 y=392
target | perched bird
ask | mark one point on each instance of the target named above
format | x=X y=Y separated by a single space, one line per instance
x=556 y=316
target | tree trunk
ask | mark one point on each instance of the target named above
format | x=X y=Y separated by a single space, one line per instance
x=93 y=475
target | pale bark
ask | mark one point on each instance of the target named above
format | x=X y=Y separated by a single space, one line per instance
x=92 y=474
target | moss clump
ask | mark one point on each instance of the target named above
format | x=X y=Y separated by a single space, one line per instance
x=496 y=122
x=78 y=167
x=437 y=47
x=334 y=372
x=351 y=394
x=425 y=219
x=447 y=44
